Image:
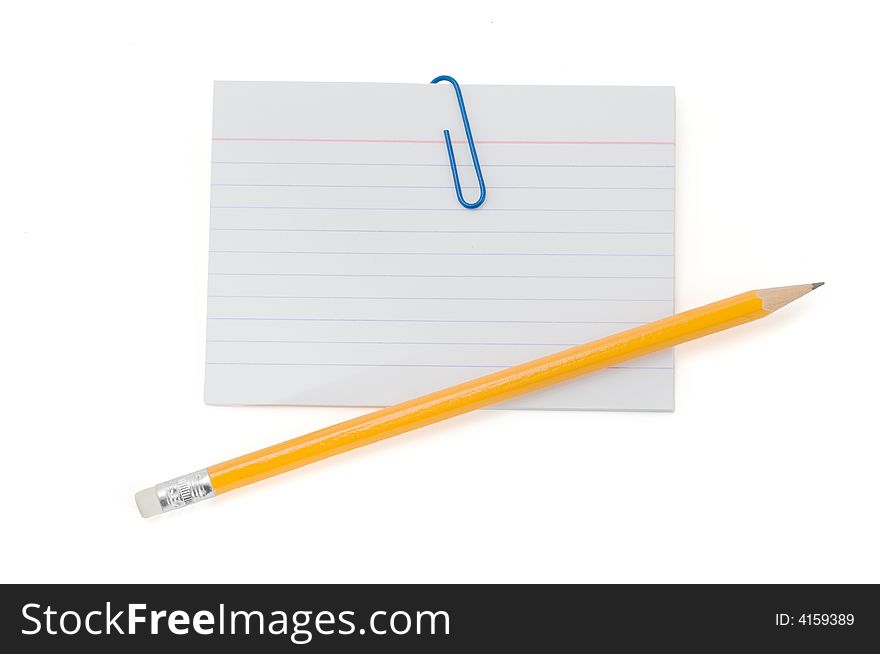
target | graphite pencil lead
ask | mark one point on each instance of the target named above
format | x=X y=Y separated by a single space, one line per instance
x=817 y=285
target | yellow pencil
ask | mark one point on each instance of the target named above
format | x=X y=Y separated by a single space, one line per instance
x=480 y=392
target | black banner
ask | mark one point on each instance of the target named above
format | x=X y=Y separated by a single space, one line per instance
x=429 y=618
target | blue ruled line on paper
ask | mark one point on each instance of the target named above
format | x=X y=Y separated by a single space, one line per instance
x=447 y=188
x=453 y=299
x=426 y=231
x=262 y=274
x=440 y=254
x=482 y=210
x=434 y=165
x=404 y=365
x=503 y=322
x=229 y=340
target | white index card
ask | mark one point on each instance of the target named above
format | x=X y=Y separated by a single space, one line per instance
x=343 y=270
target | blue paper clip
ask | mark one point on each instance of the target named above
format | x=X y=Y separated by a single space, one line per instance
x=470 y=141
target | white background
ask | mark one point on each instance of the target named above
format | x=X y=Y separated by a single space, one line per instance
x=766 y=472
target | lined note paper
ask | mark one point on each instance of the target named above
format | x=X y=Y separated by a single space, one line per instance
x=343 y=271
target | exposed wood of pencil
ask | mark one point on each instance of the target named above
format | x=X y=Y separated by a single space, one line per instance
x=502 y=385
x=778 y=297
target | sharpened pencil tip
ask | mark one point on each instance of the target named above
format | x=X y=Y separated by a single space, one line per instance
x=817 y=285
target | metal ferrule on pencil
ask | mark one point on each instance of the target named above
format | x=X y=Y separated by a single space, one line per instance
x=183 y=491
